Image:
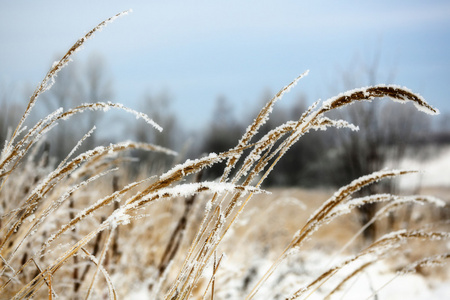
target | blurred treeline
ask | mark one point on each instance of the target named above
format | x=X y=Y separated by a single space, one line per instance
x=388 y=130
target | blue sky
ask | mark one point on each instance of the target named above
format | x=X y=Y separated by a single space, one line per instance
x=198 y=50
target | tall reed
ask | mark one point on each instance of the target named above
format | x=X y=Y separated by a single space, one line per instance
x=58 y=230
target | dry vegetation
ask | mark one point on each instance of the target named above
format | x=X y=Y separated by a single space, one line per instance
x=82 y=228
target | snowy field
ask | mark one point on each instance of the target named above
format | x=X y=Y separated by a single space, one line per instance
x=378 y=283
x=435 y=169
x=249 y=253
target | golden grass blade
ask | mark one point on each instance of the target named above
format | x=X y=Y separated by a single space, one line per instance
x=112 y=290
x=99 y=262
x=347 y=278
x=212 y=279
x=50 y=291
x=260 y=120
x=394 y=92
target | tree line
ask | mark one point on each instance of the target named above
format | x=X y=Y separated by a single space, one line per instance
x=331 y=158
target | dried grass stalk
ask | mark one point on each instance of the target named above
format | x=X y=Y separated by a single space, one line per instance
x=240 y=180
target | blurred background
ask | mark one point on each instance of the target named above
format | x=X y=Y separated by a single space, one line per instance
x=203 y=69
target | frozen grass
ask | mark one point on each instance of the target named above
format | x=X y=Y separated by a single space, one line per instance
x=83 y=229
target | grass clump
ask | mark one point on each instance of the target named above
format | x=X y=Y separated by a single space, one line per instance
x=62 y=225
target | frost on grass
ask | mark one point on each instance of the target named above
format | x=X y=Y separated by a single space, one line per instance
x=260 y=120
x=108 y=105
x=49 y=192
x=188 y=189
x=186 y=167
x=394 y=92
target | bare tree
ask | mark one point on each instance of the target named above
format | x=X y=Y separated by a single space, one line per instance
x=76 y=84
x=221 y=134
x=158 y=108
x=94 y=85
x=62 y=95
x=10 y=109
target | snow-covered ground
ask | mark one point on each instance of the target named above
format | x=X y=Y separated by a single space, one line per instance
x=380 y=283
x=435 y=170
x=377 y=282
